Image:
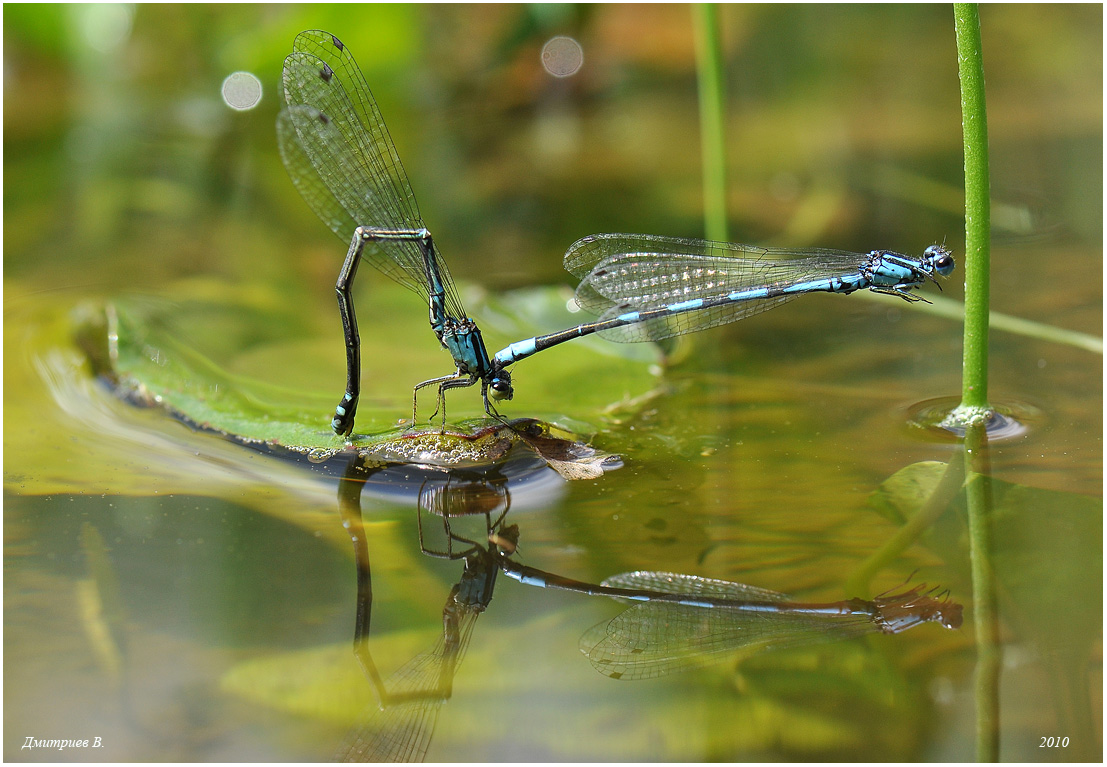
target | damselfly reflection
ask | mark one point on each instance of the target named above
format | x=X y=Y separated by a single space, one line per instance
x=686 y=620
x=411 y=697
x=679 y=621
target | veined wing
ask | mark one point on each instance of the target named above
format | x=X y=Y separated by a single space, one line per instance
x=692 y=585
x=401 y=730
x=622 y=273
x=346 y=97
x=651 y=639
x=337 y=149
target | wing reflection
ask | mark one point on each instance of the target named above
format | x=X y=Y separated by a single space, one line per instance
x=677 y=621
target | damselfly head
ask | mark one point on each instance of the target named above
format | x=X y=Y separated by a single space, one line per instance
x=899 y=612
x=506 y=538
x=499 y=386
x=939 y=259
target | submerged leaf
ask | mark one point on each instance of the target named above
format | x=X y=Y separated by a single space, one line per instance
x=767 y=704
x=1047 y=556
x=903 y=494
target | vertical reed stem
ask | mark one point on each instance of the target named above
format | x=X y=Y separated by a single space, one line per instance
x=974 y=120
x=712 y=87
x=973 y=411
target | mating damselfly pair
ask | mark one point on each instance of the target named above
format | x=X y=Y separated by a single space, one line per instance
x=335 y=145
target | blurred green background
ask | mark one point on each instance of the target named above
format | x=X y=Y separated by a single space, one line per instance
x=127 y=178
x=842 y=127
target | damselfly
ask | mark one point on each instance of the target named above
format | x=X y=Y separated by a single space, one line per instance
x=685 y=620
x=401 y=729
x=336 y=148
x=646 y=287
x=335 y=145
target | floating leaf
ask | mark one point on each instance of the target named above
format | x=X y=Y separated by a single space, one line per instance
x=177 y=380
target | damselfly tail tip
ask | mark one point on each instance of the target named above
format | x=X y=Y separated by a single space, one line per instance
x=900 y=612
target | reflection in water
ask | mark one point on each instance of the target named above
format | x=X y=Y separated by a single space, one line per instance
x=685 y=619
x=411 y=697
x=1003 y=420
x=681 y=621
x=667 y=633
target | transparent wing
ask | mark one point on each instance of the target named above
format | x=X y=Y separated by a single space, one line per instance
x=692 y=585
x=346 y=97
x=652 y=639
x=623 y=273
x=336 y=147
x=402 y=730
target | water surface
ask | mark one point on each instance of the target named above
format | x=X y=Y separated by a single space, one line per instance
x=185 y=598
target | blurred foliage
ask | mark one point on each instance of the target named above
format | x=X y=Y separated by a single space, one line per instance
x=126 y=180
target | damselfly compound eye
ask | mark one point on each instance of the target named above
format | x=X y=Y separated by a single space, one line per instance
x=500 y=388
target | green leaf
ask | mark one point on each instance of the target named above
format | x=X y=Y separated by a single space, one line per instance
x=143 y=353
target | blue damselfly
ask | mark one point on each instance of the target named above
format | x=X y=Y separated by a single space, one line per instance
x=339 y=154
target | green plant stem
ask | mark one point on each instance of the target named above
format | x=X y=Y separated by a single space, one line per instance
x=940 y=306
x=974 y=120
x=978 y=506
x=709 y=66
x=973 y=410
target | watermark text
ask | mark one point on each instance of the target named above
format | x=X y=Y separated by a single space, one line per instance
x=61 y=745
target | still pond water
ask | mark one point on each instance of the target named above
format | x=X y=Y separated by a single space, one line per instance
x=184 y=597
